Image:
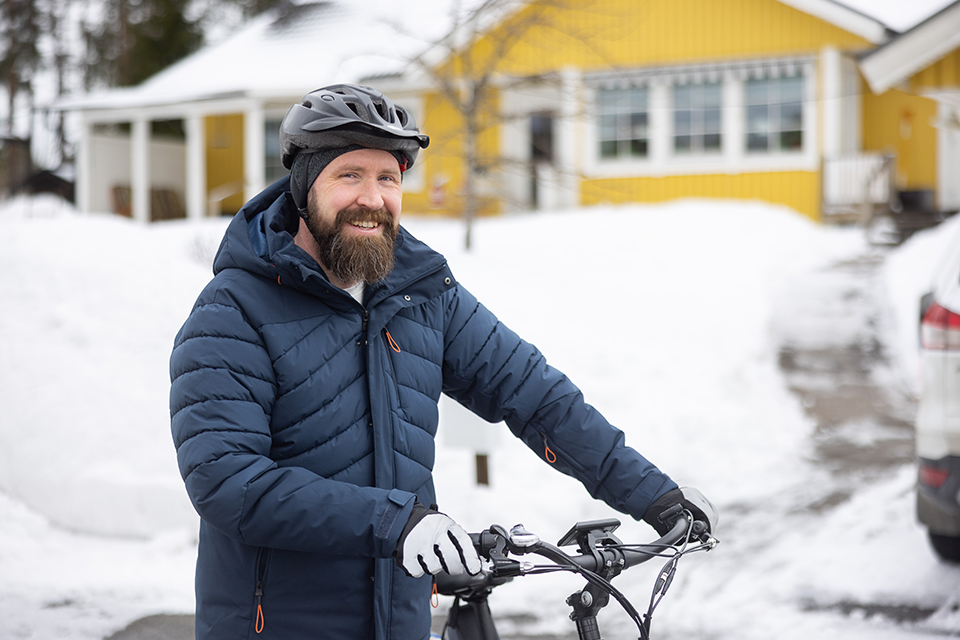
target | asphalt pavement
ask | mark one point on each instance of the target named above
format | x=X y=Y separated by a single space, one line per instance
x=159 y=627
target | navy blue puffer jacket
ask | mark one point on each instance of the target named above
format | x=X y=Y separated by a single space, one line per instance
x=304 y=424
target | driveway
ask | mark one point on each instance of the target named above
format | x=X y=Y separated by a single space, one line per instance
x=843 y=376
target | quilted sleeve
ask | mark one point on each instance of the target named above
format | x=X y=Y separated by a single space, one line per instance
x=221 y=395
x=493 y=372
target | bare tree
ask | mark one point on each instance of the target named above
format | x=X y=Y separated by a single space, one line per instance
x=470 y=67
x=465 y=78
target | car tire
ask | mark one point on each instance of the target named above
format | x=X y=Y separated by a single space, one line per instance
x=946 y=547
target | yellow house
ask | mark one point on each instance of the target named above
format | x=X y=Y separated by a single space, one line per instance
x=581 y=102
x=614 y=101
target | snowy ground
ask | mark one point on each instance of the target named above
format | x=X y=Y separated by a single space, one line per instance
x=671 y=319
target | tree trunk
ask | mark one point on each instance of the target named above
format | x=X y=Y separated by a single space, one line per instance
x=470 y=198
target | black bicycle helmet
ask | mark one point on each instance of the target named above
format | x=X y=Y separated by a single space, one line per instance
x=346 y=114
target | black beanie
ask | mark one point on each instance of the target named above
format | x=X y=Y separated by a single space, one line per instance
x=307 y=166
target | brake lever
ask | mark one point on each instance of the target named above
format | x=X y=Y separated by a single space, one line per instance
x=495 y=542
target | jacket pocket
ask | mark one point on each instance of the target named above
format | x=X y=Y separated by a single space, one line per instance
x=392 y=349
x=554 y=455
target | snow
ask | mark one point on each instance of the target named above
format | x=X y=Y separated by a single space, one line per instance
x=897 y=14
x=669 y=317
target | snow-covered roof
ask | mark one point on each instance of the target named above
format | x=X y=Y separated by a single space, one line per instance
x=918 y=48
x=303 y=44
x=844 y=17
x=290 y=50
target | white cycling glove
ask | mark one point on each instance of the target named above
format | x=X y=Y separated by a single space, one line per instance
x=432 y=542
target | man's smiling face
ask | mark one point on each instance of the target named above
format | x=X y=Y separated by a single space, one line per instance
x=353 y=213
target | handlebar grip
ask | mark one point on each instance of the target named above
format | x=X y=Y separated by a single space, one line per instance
x=677 y=533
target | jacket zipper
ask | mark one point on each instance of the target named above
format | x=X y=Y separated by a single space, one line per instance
x=262 y=557
x=389 y=357
x=551 y=454
x=548 y=453
x=259 y=594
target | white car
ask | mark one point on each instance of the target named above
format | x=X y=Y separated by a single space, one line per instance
x=938 y=417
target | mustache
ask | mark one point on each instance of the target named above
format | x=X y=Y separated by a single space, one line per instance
x=361 y=214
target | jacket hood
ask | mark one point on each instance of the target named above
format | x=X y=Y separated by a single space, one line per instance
x=260 y=240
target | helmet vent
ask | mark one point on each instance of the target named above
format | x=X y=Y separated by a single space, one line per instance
x=357 y=109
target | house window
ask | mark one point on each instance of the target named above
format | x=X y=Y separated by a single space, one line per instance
x=774 y=112
x=623 y=123
x=697 y=119
x=272 y=165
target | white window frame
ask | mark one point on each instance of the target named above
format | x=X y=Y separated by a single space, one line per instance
x=733 y=156
x=772 y=107
x=698 y=129
x=624 y=124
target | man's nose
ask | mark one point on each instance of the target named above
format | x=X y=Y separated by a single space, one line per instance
x=369 y=195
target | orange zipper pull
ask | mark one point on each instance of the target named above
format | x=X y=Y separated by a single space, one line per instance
x=259 y=594
x=393 y=343
x=547 y=452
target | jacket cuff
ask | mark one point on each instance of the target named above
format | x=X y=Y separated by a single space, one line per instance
x=399 y=507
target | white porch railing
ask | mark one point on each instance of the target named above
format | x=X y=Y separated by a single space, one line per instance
x=858 y=187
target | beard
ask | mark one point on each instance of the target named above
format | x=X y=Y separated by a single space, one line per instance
x=352 y=258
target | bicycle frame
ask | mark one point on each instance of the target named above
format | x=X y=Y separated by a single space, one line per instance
x=470 y=620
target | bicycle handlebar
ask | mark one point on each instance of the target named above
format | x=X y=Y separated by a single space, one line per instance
x=631 y=556
x=601 y=558
x=599 y=550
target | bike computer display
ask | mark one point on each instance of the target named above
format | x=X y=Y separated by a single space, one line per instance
x=608 y=525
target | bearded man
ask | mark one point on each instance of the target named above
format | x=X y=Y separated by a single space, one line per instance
x=304 y=396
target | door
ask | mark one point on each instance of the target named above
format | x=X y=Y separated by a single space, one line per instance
x=541 y=160
x=948 y=156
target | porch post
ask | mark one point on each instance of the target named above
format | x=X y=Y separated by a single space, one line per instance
x=196 y=167
x=140 y=169
x=84 y=173
x=253 y=151
x=568 y=164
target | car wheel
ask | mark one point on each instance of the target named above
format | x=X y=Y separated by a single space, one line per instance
x=947 y=547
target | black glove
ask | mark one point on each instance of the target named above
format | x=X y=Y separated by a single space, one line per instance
x=431 y=542
x=665 y=510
